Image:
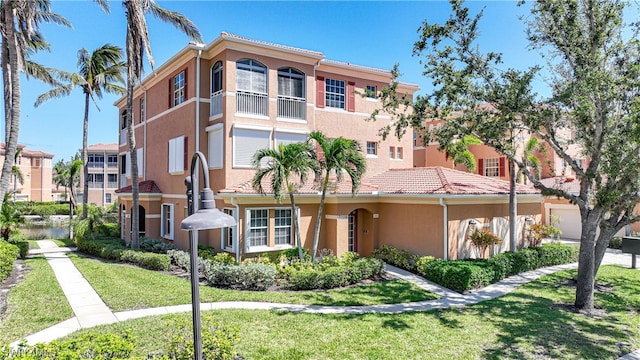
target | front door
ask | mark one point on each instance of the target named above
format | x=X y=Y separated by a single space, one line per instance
x=353 y=231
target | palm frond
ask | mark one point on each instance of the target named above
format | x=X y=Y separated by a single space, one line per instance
x=178 y=20
x=58 y=92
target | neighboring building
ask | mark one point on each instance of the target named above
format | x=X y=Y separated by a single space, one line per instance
x=234 y=96
x=102 y=163
x=36 y=169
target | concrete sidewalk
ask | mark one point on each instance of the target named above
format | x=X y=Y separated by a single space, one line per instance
x=90 y=310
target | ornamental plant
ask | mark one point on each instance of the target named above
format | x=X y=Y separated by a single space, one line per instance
x=482 y=239
x=539 y=231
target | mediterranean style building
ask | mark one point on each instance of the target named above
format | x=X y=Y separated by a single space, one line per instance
x=102 y=162
x=36 y=169
x=234 y=96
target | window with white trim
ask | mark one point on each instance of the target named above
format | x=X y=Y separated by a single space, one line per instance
x=245 y=144
x=251 y=76
x=215 y=146
x=291 y=83
x=282 y=228
x=216 y=77
x=258 y=229
x=392 y=152
x=400 y=152
x=166 y=226
x=372 y=148
x=492 y=167
x=176 y=154
x=107 y=198
x=371 y=91
x=228 y=232
x=334 y=93
x=178 y=88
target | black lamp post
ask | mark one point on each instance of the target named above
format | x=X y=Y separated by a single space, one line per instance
x=202 y=217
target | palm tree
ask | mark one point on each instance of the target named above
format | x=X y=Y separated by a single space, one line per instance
x=138 y=41
x=459 y=152
x=339 y=156
x=59 y=176
x=18 y=176
x=98 y=72
x=73 y=178
x=10 y=217
x=295 y=159
x=20 y=21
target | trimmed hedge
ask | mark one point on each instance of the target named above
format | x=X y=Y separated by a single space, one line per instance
x=8 y=255
x=147 y=260
x=20 y=240
x=155 y=245
x=396 y=257
x=332 y=272
x=253 y=276
x=465 y=275
x=106 y=248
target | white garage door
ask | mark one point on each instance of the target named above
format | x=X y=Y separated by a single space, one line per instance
x=569 y=222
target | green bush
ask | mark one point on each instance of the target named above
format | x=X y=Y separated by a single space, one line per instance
x=87 y=346
x=147 y=260
x=464 y=275
x=396 y=257
x=109 y=229
x=8 y=255
x=155 y=245
x=20 y=240
x=252 y=276
x=332 y=272
x=223 y=258
x=106 y=248
x=217 y=341
x=206 y=251
x=615 y=243
x=43 y=209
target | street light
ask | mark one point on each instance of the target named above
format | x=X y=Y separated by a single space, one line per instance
x=202 y=217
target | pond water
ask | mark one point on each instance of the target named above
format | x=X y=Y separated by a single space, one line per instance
x=45 y=231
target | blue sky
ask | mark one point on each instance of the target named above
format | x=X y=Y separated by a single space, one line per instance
x=370 y=33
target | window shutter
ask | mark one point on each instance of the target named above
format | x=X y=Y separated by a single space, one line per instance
x=245 y=144
x=216 y=149
x=186 y=153
x=170 y=101
x=481 y=167
x=502 y=167
x=171 y=155
x=186 y=85
x=320 y=91
x=128 y=163
x=351 y=96
x=140 y=158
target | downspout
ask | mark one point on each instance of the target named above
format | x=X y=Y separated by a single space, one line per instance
x=199 y=47
x=445 y=228
x=315 y=67
x=144 y=141
x=236 y=243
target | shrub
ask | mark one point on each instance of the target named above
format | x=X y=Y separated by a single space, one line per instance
x=8 y=255
x=155 y=245
x=20 y=240
x=332 y=272
x=458 y=275
x=147 y=260
x=180 y=259
x=206 y=251
x=223 y=258
x=539 y=231
x=245 y=277
x=292 y=254
x=87 y=346
x=217 y=341
x=396 y=257
x=615 y=243
x=109 y=230
x=106 y=248
x=482 y=239
x=423 y=261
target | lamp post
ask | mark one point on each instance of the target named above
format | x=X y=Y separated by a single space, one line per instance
x=201 y=217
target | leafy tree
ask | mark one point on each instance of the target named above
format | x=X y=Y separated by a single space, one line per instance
x=459 y=152
x=10 y=217
x=595 y=82
x=68 y=175
x=20 y=24
x=138 y=42
x=283 y=163
x=99 y=71
x=337 y=156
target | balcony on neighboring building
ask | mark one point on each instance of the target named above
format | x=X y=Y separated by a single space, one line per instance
x=123 y=136
x=216 y=103
x=292 y=108
x=252 y=103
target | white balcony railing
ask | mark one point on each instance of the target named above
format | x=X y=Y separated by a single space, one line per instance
x=123 y=136
x=112 y=185
x=96 y=185
x=112 y=165
x=216 y=103
x=292 y=108
x=94 y=165
x=252 y=103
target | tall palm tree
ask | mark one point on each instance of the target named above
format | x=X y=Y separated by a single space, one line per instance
x=99 y=71
x=458 y=151
x=138 y=42
x=283 y=163
x=338 y=156
x=59 y=176
x=19 y=22
x=73 y=178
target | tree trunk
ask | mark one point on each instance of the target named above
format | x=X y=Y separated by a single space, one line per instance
x=586 y=261
x=85 y=156
x=12 y=98
x=135 y=226
x=513 y=207
x=316 y=233
x=6 y=74
x=294 y=219
x=602 y=243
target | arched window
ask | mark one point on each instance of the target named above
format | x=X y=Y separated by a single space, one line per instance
x=291 y=83
x=251 y=76
x=216 y=77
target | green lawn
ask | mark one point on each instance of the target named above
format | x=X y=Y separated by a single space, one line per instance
x=65 y=242
x=124 y=287
x=36 y=303
x=529 y=323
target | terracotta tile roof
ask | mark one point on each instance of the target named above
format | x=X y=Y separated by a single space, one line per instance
x=308 y=188
x=441 y=180
x=103 y=147
x=568 y=184
x=144 y=187
x=426 y=180
x=227 y=35
x=28 y=152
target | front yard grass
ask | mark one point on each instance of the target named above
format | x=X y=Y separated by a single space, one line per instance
x=125 y=287
x=35 y=303
x=531 y=322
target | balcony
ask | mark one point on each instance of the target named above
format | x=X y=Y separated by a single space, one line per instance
x=112 y=165
x=123 y=136
x=252 y=103
x=96 y=185
x=112 y=185
x=292 y=108
x=216 y=104
x=95 y=165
